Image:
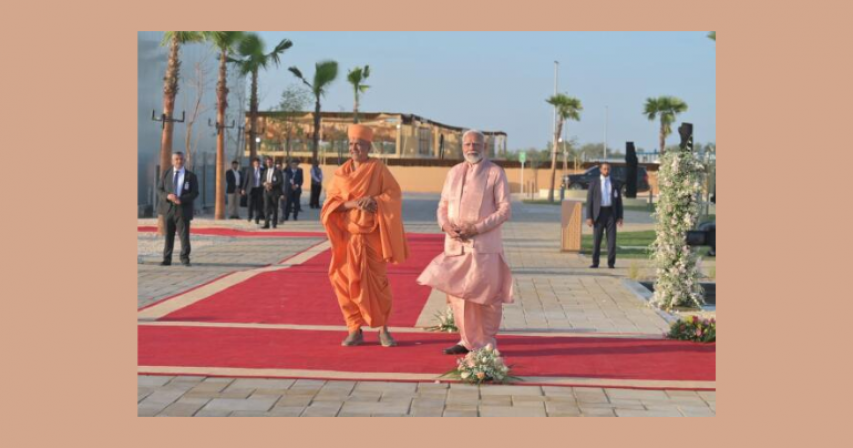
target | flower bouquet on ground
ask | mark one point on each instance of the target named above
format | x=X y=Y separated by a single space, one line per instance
x=446 y=322
x=694 y=329
x=481 y=366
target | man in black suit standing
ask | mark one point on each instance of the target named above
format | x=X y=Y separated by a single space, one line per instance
x=293 y=183
x=282 y=197
x=253 y=186
x=232 y=189
x=604 y=211
x=272 y=192
x=178 y=189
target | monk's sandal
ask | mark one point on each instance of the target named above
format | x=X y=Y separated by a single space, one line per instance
x=386 y=340
x=354 y=338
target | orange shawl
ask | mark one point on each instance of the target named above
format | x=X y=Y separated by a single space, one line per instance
x=372 y=178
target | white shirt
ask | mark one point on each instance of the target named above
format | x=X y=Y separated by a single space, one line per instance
x=236 y=178
x=257 y=177
x=180 y=174
x=270 y=172
x=606 y=191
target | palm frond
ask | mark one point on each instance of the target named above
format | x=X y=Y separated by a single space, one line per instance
x=354 y=76
x=184 y=37
x=224 y=40
x=282 y=46
x=326 y=72
x=296 y=72
x=568 y=107
x=651 y=108
x=251 y=45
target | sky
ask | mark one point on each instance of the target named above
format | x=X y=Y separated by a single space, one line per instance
x=500 y=80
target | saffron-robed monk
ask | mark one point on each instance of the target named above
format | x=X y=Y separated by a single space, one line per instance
x=472 y=271
x=363 y=219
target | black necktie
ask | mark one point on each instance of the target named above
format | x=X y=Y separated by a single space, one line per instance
x=175 y=183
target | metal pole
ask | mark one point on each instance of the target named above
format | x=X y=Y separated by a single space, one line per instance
x=606 y=116
x=554 y=130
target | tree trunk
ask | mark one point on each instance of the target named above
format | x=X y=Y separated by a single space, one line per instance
x=662 y=136
x=188 y=145
x=316 y=149
x=355 y=110
x=253 y=117
x=170 y=91
x=237 y=155
x=221 y=105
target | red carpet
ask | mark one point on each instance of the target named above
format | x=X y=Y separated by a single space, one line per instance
x=237 y=233
x=302 y=294
x=611 y=358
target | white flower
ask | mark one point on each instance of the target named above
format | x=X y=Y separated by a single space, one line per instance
x=465 y=375
x=489 y=347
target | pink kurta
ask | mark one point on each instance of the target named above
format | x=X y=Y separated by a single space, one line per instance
x=474 y=270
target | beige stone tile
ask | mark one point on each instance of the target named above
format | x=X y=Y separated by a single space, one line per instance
x=503 y=411
x=510 y=390
x=642 y=413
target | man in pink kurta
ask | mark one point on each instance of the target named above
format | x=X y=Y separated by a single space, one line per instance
x=472 y=270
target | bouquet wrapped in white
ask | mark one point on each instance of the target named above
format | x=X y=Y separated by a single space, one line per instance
x=480 y=366
x=446 y=322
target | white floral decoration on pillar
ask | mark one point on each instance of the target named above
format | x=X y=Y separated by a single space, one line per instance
x=678 y=273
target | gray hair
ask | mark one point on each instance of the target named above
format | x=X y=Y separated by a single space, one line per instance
x=475 y=132
x=178 y=153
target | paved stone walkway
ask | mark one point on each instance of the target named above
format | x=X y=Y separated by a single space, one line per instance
x=167 y=396
x=210 y=261
x=554 y=292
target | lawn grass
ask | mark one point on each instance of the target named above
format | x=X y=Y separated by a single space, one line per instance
x=542 y=202
x=642 y=238
x=641 y=208
x=635 y=208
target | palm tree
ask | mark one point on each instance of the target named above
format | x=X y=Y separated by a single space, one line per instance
x=667 y=107
x=174 y=39
x=568 y=108
x=225 y=41
x=712 y=35
x=252 y=59
x=355 y=77
x=324 y=73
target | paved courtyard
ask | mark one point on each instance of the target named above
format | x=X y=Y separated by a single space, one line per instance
x=554 y=293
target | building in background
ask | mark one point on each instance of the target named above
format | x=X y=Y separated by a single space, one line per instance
x=196 y=100
x=395 y=136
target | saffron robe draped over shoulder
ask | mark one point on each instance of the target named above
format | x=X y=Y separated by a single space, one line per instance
x=363 y=242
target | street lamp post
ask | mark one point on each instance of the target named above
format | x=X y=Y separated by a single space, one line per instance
x=606 y=117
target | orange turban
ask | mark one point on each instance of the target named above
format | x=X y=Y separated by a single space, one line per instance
x=357 y=131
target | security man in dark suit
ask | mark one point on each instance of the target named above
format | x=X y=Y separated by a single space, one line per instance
x=282 y=197
x=253 y=186
x=272 y=193
x=293 y=186
x=178 y=189
x=604 y=211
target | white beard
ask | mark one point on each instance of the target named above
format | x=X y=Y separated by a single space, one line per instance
x=474 y=159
